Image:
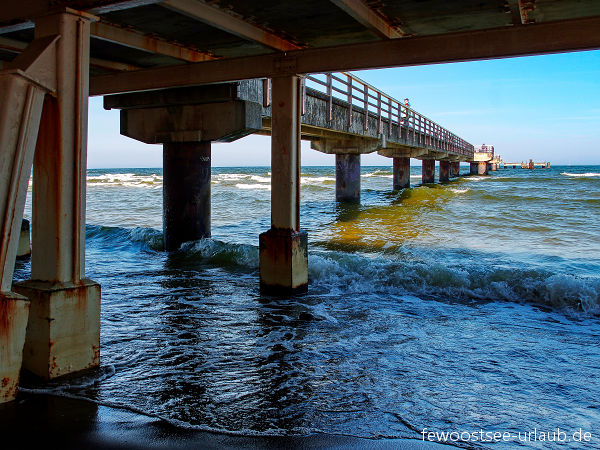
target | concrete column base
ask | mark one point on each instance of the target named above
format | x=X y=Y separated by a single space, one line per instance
x=283 y=262
x=14 y=311
x=347 y=178
x=473 y=168
x=482 y=168
x=428 y=171
x=24 y=248
x=401 y=173
x=63 y=333
x=444 y=171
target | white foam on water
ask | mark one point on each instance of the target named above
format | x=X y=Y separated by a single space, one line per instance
x=315 y=180
x=460 y=191
x=377 y=173
x=581 y=175
x=253 y=186
x=260 y=179
x=230 y=176
x=125 y=179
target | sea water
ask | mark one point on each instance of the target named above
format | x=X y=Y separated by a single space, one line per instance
x=466 y=306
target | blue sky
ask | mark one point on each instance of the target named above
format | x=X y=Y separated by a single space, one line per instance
x=540 y=107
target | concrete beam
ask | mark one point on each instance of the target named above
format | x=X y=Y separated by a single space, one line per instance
x=352 y=145
x=223 y=20
x=222 y=122
x=364 y=15
x=539 y=38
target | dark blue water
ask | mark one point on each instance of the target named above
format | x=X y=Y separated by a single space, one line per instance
x=473 y=305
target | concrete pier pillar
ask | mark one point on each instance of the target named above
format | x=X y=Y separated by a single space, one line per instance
x=444 y=171
x=186 y=192
x=482 y=168
x=455 y=169
x=428 y=171
x=401 y=173
x=347 y=177
x=494 y=167
x=63 y=333
x=284 y=248
x=473 y=168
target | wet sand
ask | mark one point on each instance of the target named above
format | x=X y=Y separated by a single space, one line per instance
x=47 y=421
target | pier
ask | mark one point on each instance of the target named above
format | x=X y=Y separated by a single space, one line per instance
x=185 y=73
x=526 y=165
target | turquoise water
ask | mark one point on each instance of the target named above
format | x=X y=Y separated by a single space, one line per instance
x=458 y=307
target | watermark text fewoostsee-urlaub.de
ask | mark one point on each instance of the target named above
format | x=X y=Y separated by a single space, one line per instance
x=554 y=435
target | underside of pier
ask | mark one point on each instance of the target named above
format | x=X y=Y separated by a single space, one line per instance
x=54 y=54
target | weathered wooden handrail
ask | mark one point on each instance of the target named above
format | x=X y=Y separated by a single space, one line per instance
x=420 y=129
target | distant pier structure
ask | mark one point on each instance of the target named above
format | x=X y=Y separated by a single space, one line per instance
x=526 y=165
x=485 y=159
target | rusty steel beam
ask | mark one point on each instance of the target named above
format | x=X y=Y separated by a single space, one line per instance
x=14 y=46
x=140 y=41
x=134 y=39
x=369 y=18
x=534 y=39
x=229 y=23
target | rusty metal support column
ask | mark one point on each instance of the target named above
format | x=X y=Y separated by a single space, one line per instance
x=428 y=171
x=347 y=177
x=401 y=173
x=284 y=248
x=186 y=192
x=444 y=171
x=21 y=103
x=63 y=334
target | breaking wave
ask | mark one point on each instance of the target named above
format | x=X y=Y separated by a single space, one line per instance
x=393 y=273
x=581 y=175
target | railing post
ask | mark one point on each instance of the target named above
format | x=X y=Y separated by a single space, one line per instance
x=303 y=95
x=366 y=107
x=378 y=112
x=266 y=92
x=329 y=97
x=349 y=100
x=399 y=121
x=390 y=116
